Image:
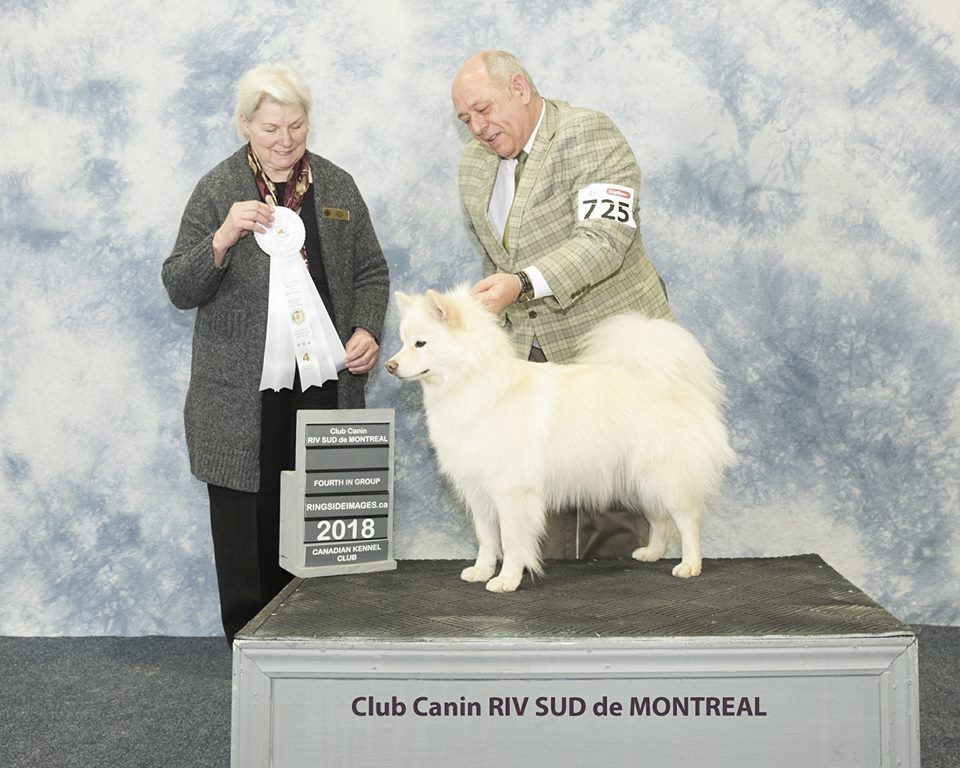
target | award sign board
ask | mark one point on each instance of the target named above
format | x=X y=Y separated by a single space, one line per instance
x=336 y=507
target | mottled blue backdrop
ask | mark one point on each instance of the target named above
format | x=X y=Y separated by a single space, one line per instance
x=801 y=188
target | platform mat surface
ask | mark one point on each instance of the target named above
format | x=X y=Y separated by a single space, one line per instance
x=426 y=600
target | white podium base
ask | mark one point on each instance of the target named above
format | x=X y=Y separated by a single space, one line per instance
x=776 y=662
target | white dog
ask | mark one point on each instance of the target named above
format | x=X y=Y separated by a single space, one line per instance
x=635 y=421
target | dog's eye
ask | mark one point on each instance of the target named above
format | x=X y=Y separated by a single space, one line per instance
x=419 y=344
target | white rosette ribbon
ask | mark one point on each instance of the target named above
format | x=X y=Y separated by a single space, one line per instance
x=299 y=330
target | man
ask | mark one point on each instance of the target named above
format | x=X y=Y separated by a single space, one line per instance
x=549 y=193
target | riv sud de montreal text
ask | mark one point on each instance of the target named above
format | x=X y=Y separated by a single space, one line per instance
x=561 y=706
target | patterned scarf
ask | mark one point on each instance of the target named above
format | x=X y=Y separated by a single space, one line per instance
x=293 y=192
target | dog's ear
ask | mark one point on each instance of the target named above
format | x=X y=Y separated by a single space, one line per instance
x=403 y=300
x=444 y=309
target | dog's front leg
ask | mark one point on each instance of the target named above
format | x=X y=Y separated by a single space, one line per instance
x=521 y=526
x=488 y=543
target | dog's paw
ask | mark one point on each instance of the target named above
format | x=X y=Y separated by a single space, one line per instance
x=500 y=584
x=686 y=569
x=473 y=573
x=646 y=555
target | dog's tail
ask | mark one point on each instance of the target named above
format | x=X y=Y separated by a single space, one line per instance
x=660 y=350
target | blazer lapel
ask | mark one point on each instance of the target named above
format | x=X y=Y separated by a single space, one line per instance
x=486 y=171
x=535 y=162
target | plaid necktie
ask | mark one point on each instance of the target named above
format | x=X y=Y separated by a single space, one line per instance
x=517 y=173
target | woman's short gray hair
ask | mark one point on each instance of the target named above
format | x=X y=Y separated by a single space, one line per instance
x=502 y=66
x=279 y=82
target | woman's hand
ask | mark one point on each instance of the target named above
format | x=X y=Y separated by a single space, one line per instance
x=243 y=218
x=362 y=351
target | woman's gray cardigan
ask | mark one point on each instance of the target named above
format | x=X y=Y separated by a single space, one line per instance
x=222 y=411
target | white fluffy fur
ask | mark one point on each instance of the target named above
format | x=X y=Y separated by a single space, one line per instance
x=635 y=421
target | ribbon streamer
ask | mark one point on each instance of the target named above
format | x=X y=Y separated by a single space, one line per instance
x=299 y=329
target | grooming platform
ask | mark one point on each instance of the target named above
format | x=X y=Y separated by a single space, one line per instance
x=764 y=662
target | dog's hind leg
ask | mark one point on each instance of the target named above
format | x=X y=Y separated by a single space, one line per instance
x=521 y=526
x=657 y=543
x=488 y=545
x=689 y=527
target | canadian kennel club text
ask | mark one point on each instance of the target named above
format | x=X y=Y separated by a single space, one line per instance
x=561 y=706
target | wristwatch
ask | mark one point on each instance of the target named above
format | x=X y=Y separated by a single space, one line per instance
x=526 y=287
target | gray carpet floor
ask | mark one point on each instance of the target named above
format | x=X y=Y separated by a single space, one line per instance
x=108 y=702
x=112 y=702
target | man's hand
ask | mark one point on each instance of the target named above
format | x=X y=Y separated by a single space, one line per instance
x=497 y=291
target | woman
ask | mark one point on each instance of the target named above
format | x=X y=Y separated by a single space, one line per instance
x=240 y=438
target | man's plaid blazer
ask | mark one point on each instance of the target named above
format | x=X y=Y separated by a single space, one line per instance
x=595 y=267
